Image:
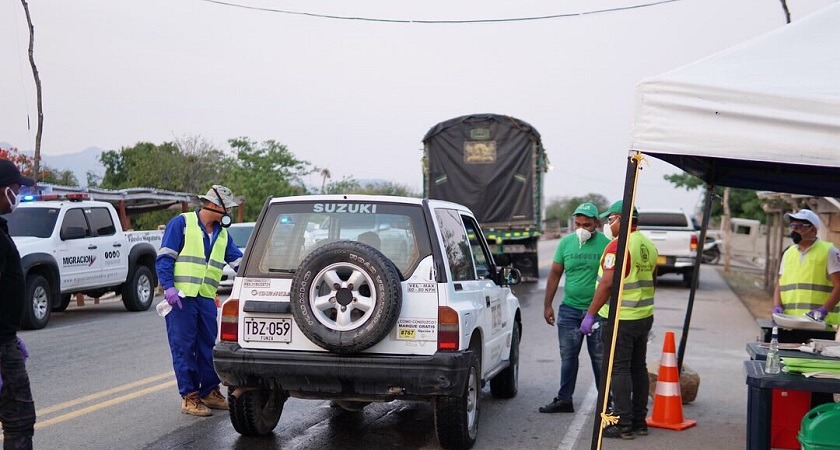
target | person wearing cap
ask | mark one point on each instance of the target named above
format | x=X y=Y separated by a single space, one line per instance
x=809 y=274
x=635 y=318
x=577 y=256
x=17 y=409
x=194 y=249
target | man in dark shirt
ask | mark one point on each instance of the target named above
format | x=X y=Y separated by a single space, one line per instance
x=17 y=410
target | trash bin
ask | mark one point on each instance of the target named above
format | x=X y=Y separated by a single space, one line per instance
x=819 y=428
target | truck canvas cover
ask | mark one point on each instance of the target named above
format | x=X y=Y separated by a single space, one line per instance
x=490 y=163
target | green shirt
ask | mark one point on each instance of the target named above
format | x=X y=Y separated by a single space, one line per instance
x=580 y=265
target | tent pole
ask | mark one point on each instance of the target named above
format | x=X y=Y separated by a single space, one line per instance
x=695 y=279
x=608 y=330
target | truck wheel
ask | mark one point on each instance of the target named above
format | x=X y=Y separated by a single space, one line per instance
x=506 y=383
x=63 y=304
x=256 y=412
x=456 y=418
x=347 y=296
x=137 y=294
x=37 y=308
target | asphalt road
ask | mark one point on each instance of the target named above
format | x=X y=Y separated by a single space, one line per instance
x=102 y=379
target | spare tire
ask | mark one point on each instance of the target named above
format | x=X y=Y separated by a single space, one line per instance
x=346 y=296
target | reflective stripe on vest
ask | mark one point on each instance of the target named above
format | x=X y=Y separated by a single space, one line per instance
x=194 y=275
x=637 y=296
x=804 y=284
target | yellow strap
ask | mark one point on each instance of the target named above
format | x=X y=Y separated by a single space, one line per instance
x=609 y=419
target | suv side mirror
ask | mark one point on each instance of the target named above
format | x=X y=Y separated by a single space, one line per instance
x=508 y=276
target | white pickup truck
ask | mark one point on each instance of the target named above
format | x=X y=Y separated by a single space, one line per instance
x=69 y=244
x=675 y=236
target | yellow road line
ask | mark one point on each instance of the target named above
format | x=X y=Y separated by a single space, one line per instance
x=105 y=404
x=107 y=392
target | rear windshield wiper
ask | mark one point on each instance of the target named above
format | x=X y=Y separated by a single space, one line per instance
x=278 y=270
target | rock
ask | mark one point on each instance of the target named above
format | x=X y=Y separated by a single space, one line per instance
x=689 y=382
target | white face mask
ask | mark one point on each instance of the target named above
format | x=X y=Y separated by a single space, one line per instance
x=12 y=198
x=608 y=231
x=583 y=235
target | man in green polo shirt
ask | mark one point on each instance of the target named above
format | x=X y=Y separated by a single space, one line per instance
x=577 y=256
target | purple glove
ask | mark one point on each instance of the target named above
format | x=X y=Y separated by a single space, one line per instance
x=778 y=309
x=586 y=324
x=23 y=349
x=172 y=297
x=818 y=314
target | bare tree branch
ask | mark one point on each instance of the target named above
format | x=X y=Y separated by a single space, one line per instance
x=787 y=11
x=37 y=168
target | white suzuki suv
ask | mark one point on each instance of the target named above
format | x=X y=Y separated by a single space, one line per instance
x=361 y=299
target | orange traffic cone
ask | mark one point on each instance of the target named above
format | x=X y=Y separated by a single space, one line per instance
x=667 y=404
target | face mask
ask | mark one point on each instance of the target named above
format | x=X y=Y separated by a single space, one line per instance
x=583 y=235
x=608 y=231
x=12 y=198
x=797 y=238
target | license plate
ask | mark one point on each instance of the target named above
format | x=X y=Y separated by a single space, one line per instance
x=264 y=329
x=661 y=260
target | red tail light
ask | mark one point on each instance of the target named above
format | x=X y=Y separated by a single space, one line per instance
x=694 y=242
x=230 y=321
x=448 y=329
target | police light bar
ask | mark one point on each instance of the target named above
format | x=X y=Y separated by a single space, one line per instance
x=73 y=197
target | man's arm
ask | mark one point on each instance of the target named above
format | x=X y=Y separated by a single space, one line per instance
x=233 y=256
x=170 y=246
x=834 y=297
x=554 y=275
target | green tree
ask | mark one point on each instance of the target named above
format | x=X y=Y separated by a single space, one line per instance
x=743 y=203
x=261 y=170
x=561 y=209
x=61 y=177
x=349 y=185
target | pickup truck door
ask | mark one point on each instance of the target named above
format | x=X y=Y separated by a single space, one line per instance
x=112 y=244
x=78 y=252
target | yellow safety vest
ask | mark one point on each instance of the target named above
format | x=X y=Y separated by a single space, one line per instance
x=194 y=275
x=637 y=296
x=804 y=284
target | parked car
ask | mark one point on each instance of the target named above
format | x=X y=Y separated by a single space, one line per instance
x=359 y=299
x=674 y=234
x=240 y=233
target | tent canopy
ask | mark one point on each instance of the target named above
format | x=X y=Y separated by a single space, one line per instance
x=762 y=115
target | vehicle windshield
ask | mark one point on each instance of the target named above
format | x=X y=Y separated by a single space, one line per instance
x=240 y=235
x=292 y=230
x=37 y=222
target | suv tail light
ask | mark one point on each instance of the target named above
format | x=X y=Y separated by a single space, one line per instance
x=448 y=329
x=229 y=329
x=694 y=242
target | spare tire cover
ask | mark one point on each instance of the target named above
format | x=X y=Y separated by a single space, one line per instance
x=346 y=296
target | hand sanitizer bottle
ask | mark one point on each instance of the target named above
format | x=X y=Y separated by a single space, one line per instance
x=772 y=364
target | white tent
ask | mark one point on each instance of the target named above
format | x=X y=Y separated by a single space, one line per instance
x=762 y=115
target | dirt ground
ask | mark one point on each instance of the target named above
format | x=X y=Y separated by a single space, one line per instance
x=749 y=287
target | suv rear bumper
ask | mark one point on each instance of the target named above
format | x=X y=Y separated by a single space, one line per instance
x=333 y=376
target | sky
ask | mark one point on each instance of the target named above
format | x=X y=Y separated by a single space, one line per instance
x=357 y=97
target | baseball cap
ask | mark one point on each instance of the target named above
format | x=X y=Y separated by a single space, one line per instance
x=586 y=209
x=806 y=215
x=10 y=174
x=223 y=192
x=616 y=208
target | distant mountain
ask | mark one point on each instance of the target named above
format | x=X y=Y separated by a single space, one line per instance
x=80 y=163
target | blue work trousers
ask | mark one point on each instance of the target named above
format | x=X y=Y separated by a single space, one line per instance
x=192 y=334
x=17 y=410
x=570 y=339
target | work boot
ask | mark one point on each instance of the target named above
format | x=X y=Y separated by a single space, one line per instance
x=558 y=405
x=640 y=429
x=193 y=406
x=618 y=431
x=215 y=400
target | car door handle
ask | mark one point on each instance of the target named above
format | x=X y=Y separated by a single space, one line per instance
x=458 y=287
x=487 y=299
x=91 y=247
x=117 y=245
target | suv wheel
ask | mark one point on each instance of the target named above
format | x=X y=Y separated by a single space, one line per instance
x=347 y=296
x=37 y=308
x=256 y=412
x=138 y=293
x=506 y=383
x=456 y=418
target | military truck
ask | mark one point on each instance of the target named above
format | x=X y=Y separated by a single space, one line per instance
x=494 y=165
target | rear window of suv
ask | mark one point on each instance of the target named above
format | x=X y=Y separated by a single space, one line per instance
x=290 y=231
x=663 y=219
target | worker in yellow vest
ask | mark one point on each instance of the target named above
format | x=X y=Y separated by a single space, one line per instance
x=809 y=275
x=194 y=249
x=629 y=370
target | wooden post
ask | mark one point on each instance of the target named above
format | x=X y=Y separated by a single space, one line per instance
x=125 y=221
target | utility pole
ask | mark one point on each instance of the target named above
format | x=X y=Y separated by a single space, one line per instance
x=37 y=168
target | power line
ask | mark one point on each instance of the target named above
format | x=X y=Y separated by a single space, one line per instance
x=466 y=21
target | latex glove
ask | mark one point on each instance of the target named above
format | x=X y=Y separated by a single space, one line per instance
x=586 y=324
x=22 y=348
x=818 y=314
x=778 y=309
x=172 y=297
